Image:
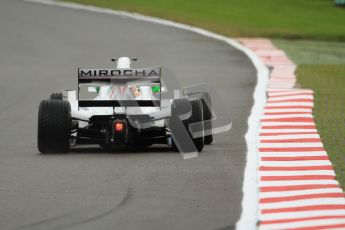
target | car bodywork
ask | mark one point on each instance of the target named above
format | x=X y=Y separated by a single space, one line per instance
x=124 y=107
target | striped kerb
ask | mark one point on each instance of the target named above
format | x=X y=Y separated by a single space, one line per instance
x=296 y=180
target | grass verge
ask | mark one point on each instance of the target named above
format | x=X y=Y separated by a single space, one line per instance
x=316 y=19
x=321 y=67
x=328 y=83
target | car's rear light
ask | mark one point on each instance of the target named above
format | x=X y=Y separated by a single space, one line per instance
x=120 y=132
x=119 y=127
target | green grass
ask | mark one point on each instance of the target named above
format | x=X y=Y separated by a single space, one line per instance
x=314 y=52
x=321 y=67
x=300 y=19
x=328 y=83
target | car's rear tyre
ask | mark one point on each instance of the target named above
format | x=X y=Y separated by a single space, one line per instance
x=54 y=126
x=56 y=96
x=196 y=116
x=207 y=111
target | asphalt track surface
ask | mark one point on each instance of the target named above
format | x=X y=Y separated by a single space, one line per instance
x=40 y=50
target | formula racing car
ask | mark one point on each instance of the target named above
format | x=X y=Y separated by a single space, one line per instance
x=124 y=107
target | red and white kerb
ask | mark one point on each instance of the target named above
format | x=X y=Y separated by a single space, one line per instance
x=297 y=185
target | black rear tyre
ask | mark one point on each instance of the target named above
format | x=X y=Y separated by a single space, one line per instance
x=207 y=111
x=56 y=96
x=196 y=116
x=207 y=108
x=54 y=126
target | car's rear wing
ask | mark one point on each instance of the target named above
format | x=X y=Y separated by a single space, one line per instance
x=118 y=77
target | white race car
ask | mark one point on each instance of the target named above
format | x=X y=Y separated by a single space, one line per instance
x=124 y=107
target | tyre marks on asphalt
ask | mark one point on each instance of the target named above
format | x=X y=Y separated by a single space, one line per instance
x=78 y=217
x=297 y=185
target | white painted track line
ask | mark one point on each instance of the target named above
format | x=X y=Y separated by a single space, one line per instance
x=287 y=137
x=300 y=214
x=300 y=192
x=307 y=223
x=291 y=145
x=289 y=204
x=293 y=154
